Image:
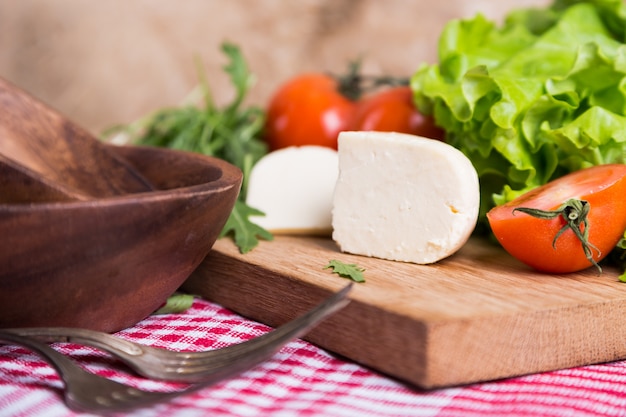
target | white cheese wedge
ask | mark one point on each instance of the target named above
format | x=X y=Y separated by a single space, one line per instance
x=403 y=197
x=294 y=188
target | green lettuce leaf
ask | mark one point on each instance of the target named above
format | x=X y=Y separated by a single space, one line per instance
x=541 y=95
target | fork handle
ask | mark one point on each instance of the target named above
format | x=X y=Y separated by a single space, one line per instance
x=79 y=336
x=54 y=358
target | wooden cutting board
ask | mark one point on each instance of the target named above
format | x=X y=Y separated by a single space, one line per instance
x=478 y=315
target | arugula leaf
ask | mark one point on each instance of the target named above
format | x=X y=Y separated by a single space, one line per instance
x=176 y=303
x=232 y=133
x=240 y=76
x=350 y=271
x=244 y=232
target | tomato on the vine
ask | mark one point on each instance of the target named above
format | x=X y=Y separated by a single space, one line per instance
x=567 y=225
x=313 y=108
x=307 y=110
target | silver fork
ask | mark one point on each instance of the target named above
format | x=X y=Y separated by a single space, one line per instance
x=85 y=391
x=204 y=367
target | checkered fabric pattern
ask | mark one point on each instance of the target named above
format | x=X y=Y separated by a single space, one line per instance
x=302 y=380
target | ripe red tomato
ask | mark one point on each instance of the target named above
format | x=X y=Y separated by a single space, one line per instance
x=311 y=110
x=307 y=110
x=393 y=110
x=537 y=242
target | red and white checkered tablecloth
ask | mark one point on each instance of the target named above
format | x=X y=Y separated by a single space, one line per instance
x=302 y=380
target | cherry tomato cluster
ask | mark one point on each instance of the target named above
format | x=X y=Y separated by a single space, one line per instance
x=313 y=108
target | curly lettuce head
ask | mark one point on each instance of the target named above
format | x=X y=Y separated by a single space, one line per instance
x=542 y=95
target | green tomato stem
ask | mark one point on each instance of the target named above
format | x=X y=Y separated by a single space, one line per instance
x=575 y=213
x=354 y=85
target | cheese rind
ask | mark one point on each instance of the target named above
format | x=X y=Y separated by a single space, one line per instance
x=403 y=197
x=294 y=188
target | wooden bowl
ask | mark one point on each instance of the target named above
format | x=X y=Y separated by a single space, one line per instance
x=107 y=263
x=44 y=152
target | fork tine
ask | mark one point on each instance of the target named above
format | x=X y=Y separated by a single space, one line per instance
x=288 y=331
x=243 y=355
x=218 y=364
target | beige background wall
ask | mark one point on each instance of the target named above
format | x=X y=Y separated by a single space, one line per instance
x=106 y=62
